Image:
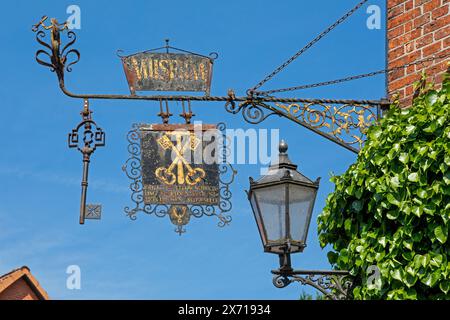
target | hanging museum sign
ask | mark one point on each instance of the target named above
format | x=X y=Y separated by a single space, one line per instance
x=173 y=171
x=179 y=170
x=156 y=71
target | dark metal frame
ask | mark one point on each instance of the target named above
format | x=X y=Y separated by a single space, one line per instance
x=133 y=170
x=285 y=182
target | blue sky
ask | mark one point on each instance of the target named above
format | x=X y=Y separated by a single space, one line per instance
x=145 y=259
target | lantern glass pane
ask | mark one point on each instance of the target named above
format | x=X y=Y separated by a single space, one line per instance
x=272 y=204
x=257 y=215
x=301 y=201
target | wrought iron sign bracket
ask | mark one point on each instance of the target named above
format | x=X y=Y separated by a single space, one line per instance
x=333 y=284
x=341 y=121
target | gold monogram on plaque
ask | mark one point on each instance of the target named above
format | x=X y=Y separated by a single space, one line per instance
x=185 y=173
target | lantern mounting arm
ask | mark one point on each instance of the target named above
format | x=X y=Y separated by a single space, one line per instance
x=333 y=284
x=343 y=121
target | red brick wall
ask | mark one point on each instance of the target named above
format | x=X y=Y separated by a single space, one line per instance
x=416 y=30
x=19 y=290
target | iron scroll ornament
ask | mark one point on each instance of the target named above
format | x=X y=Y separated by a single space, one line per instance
x=133 y=170
x=333 y=284
x=57 y=59
x=343 y=122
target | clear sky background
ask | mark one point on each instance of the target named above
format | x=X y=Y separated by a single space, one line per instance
x=145 y=259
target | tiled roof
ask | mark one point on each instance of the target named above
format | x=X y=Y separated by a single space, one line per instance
x=9 y=278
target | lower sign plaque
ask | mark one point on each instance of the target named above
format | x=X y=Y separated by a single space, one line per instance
x=177 y=171
x=173 y=171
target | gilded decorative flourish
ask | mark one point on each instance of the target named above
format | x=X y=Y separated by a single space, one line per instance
x=57 y=58
x=166 y=175
x=180 y=216
x=345 y=123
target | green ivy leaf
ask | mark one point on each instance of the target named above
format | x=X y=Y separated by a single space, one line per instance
x=429 y=209
x=410 y=129
x=343 y=256
x=375 y=133
x=332 y=257
x=414 y=177
x=410 y=280
x=430 y=279
x=436 y=260
x=357 y=205
x=447 y=159
x=395 y=182
x=422 y=193
x=411 y=294
x=348 y=225
x=382 y=241
x=441 y=234
x=447 y=178
x=445 y=286
x=404 y=157
x=417 y=211
x=408 y=244
x=416 y=236
x=393 y=214
x=419 y=261
x=396 y=274
x=408 y=255
x=350 y=190
x=432 y=98
x=390 y=197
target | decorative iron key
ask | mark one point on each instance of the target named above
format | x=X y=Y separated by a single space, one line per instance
x=93 y=137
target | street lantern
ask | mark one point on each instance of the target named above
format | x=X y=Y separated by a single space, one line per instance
x=282 y=203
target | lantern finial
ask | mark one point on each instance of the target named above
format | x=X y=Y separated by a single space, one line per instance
x=283 y=147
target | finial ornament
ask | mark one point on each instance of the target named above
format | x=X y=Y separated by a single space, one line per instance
x=283 y=147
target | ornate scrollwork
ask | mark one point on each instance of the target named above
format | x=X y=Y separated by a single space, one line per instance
x=334 y=285
x=133 y=170
x=347 y=123
x=344 y=123
x=55 y=58
x=251 y=111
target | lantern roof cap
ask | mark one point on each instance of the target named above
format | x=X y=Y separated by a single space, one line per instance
x=283 y=168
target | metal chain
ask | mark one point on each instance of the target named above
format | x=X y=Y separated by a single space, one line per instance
x=309 y=45
x=350 y=78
